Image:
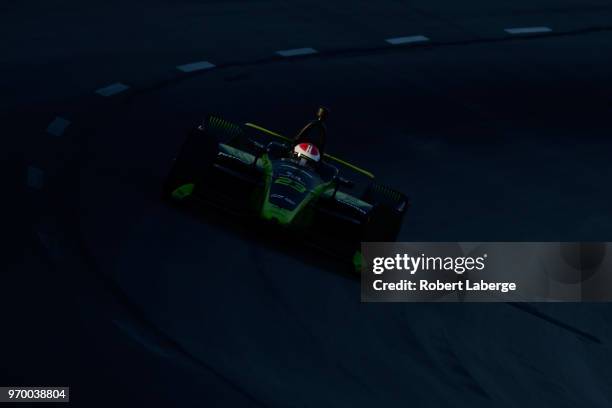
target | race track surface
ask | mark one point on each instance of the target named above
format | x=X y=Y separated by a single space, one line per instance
x=495 y=119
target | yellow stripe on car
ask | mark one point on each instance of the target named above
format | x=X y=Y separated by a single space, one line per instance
x=271 y=133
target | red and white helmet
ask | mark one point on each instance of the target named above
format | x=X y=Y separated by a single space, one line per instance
x=306 y=151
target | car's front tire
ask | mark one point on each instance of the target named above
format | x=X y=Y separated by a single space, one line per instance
x=192 y=163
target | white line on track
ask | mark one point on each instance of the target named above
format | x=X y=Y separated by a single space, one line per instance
x=195 y=66
x=35 y=177
x=296 y=52
x=58 y=126
x=407 y=40
x=112 y=89
x=528 y=30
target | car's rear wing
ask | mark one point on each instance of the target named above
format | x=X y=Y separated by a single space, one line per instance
x=326 y=155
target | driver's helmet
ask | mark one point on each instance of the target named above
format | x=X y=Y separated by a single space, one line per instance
x=306 y=153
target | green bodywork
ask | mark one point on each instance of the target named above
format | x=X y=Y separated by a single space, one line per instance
x=183 y=191
x=284 y=216
x=268 y=210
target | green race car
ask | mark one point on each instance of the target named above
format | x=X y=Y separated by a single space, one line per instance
x=291 y=183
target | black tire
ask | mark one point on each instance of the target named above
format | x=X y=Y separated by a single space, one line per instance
x=387 y=215
x=193 y=161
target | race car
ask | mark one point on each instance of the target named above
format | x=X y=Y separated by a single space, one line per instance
x=291 y=183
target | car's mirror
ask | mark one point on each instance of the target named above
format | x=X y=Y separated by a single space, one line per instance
x=259 y=150
x=278 y=149
x=259 y=147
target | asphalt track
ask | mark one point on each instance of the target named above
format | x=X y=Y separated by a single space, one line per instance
x=495 y=136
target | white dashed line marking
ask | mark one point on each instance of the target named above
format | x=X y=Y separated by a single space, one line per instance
x=407 y=40
x=35 y=177
x=58 y=126
x=195 y=66
x=528 y=30
x=112 y=89
x=296 y=51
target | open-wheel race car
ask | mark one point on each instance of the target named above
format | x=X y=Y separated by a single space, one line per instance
x=291 y=182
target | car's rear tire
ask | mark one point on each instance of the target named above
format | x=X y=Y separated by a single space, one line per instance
x=387 y=214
